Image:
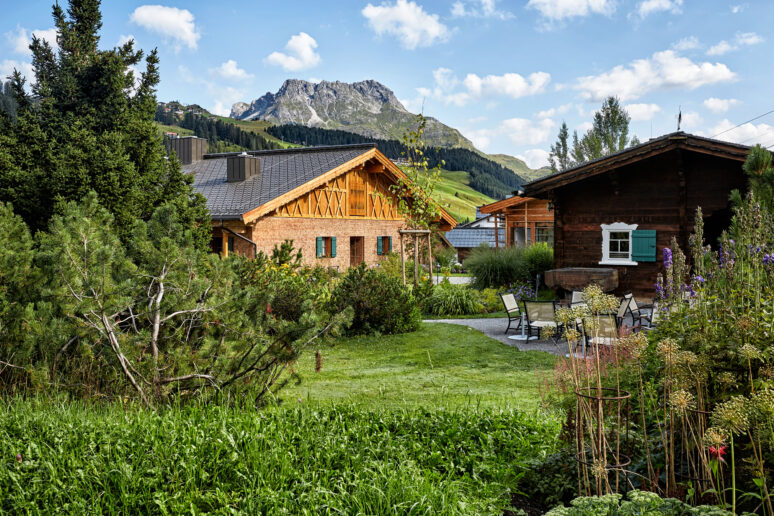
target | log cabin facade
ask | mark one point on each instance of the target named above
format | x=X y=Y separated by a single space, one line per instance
x=619 y=212
x=334 y=202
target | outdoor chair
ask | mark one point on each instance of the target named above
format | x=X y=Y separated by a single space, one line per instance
x=576 y=298
x=648 y=321
x=540 y=315
x=605 y=332
x=623 y=308
x=512 y=310
x=638 y=312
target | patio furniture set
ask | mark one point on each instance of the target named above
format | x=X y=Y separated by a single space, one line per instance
x=531 y=317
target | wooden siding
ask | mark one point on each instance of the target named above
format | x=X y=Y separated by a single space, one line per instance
x=660 y=193
x=333 y=199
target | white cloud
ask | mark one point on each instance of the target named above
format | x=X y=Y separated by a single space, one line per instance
x=523 y=131
x=123 y=39
x=640 y=112
x=447 y=86
x=7 y=67
x=481 y=138
x=719 y=105
x=510 y=84
x=408 y=22
x=690 y=120
x=689 y=43
x=172 y=23
x=230 y=71
x=20 y=39
x=648 y=7
x=552 y=112
x=224 y=98
x=301 y=54
x=722 y=47
x=663 y=70
x=741 y=39
x=584 y=127
x=535 y=158
x=736 y=9
x=748 y=134
x=479 y=9
x=560 y=9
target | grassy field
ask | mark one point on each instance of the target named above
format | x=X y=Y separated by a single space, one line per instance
x=457 y=197
x=441 y=365
x=105 y=458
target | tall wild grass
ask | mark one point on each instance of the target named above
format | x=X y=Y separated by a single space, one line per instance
x=79 y=459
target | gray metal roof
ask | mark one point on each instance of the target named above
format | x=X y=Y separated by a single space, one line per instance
x=281 y=171
x=474 y=237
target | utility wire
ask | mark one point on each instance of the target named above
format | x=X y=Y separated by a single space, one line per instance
x=739 y=125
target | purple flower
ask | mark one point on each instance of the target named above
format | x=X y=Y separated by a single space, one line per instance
x=660 y=290
x=767 y=259
x=731 y=241
x=699 y=279
x=667 y=257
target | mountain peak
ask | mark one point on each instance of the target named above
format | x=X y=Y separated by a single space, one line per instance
x=366 y=107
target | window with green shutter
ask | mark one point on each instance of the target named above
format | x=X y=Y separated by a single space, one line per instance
x=389 y=244
x=379 y=246
x=333 y=247
x=326 y=247
x=319 y=247
x=644 y=245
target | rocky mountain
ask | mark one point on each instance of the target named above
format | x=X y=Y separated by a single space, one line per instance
x=519 y=166
x=367 y=108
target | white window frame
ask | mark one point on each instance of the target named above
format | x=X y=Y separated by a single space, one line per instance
x=616 y=227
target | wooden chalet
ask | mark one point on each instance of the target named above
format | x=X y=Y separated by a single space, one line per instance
x=334 y=202
x=525 y=220
x=613 y=216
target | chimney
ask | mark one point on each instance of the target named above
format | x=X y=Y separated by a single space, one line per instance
x=241 y=167
x=187 y=148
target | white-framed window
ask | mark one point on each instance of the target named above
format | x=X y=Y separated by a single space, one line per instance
x=617 y=244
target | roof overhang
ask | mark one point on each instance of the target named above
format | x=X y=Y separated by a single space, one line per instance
x=541 y=187
x=499 y=206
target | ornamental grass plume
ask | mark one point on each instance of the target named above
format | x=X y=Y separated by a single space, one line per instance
x=750 y=352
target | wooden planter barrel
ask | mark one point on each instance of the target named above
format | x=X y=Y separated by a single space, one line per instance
x=578 y=278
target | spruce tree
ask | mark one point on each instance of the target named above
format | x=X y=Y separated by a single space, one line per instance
x=88 y=125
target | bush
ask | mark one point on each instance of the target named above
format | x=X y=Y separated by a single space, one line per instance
x=492 y=267
x=495 y=267
x=639 y=502
x=448 y=299
x=538 y=258
x=552 y=480
x=381 y=303
x=490 y=298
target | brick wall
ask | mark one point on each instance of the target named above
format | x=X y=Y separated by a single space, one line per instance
x=270 y=231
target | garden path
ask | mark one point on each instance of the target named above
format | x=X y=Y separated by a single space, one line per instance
x=454 y=280
x=494 y=328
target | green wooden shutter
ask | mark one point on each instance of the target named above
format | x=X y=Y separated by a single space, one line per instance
x=389 y=245
x=644 y=245
x=379 y=246
x=333 y=247
x=319 y=247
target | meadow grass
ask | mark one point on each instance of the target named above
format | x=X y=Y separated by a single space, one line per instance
x=440 y=365
x=106 y=458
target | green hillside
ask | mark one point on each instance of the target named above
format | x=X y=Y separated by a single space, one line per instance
x=457 y=198
x=519 y=166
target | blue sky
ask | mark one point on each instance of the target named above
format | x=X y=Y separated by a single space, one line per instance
x=506 y=73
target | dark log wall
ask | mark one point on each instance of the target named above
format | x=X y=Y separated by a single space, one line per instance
x=659 y=193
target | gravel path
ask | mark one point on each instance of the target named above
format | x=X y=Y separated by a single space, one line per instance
x=495 y=328
x=454 y=280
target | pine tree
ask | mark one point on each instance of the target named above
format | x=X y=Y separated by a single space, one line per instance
x=89 y=126
x=559 y=157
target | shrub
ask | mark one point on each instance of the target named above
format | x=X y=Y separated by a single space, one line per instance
x=448 y=299
x=493 y=267
x=551 y=480
x=381 y=303
x=490 y=298
x=638 y=502
x=537 y=258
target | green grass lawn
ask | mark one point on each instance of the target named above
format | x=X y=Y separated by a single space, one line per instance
x=441 y=365
x=457 y=197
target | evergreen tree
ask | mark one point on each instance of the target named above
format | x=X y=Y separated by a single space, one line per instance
x=559 y=157
x=91 y=127
x=609 y=134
